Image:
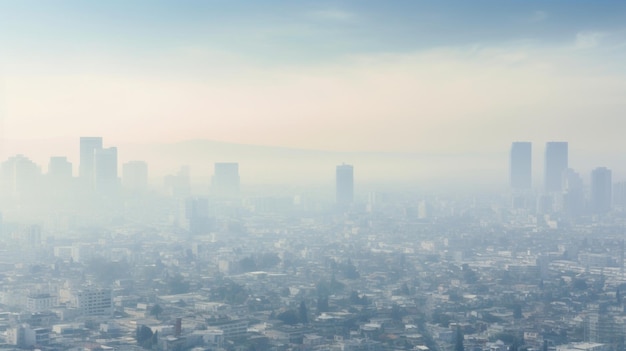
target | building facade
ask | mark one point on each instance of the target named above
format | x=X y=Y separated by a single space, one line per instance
x=556 y=162
x=521 y=166
x=344 y=185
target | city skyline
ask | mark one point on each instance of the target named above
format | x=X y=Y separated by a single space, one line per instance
x=236 y=175
x=261 y=162
x=342 y=74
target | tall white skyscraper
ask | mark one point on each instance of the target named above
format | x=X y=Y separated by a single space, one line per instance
x=88 y=147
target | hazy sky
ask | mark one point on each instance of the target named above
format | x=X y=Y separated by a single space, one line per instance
x=423 y=76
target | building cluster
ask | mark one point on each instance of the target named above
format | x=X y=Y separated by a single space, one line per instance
x=564 y=193
x=390 y=270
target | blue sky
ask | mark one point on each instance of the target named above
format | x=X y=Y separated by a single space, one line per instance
x=291 y=31
x=434 y=76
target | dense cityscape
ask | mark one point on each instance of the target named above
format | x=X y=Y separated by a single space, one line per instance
x=110 y=261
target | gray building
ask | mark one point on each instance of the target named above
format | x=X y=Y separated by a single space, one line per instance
x=601 y=190
x=520 y=165
x=225 y=182
x=344 y=186
x=556 y=162
x=88 y=147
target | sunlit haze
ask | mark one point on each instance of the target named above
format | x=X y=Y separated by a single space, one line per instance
x=411 y=77
x=280 y=175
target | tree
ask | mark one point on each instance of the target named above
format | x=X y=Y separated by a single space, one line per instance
x=288 y=317
x=579 y=284
x=458 y=346
x=322 y=304
x=303 y=313
x=177 y=285
x=396 y=312
x=349 y=270
x=404 y=289
x=517 y=311
x=154 y=340
x=143 y=334
x=247 y=264
x=156 y=310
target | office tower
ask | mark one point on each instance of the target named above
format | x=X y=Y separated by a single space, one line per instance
x=88 y=147
x=59 y=180
x=601 y=190
x=619 y=194
x=556 y=162
x=59 y=169
x=179 y=184
x=20 y=177
x=521 y=165
x=225 y=181
x=196 y=218
x=105 y=170
x=573 y=194
x=344 y=184
x=135 y=175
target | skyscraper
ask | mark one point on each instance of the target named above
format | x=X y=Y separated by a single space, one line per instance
x=521 y=165
x=556 y=162
x=225 y=182
x=601 y=190
x=59 y=168
x=135 y=175
x=179 y=184
x=573 y=200
x=105 y=170
x=20 y=177
x=59 y=178
x=88 y=146
x=344 y=178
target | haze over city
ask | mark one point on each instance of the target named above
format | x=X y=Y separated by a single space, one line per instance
x=208 y=175
x=427 y=78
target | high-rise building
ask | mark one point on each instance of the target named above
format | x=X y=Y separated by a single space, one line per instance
x=179 y=184
x=573 y=200
x=105 y=170
x=225 y=181
x=344 y=184
x=196 y=218
x=619 y=194
x=556 y=162
x=20 y=177
x=521 y=165
x=135 y=175
x=59 y=180
x=59 y=168
x=88 y=147
x=601 y=190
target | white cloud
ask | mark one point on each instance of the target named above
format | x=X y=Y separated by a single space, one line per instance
x=589 y=40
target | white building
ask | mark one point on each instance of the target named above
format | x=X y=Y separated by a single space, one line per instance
x=40 y=302
x=92 y=301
